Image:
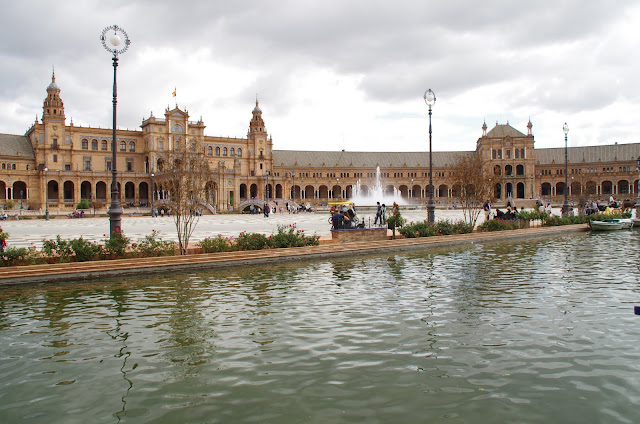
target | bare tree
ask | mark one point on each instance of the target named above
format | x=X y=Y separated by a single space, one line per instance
x=475 y=185
x=185 y=174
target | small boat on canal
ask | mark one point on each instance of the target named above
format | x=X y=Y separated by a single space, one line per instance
x=606 y=225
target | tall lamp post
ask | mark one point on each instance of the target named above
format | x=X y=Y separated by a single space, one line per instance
x=116 y=41
x=293 y=174
x=565 y=205
x=46 y=195
x=153 y=192
x=430 y=99
x=638 y=188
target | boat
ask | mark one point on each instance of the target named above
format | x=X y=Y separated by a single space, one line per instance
x=626 y=223
x=607 y=225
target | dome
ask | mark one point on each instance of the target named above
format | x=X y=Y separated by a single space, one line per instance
x=53 y=86
x=257 y=108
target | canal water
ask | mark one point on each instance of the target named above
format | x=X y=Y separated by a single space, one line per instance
x=531 y=331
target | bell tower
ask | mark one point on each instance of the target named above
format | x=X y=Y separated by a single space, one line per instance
x=52 y=107
x=48 y=151
x=260 y=144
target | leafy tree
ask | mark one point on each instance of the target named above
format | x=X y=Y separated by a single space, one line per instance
x=187 y=177
x=475 y=186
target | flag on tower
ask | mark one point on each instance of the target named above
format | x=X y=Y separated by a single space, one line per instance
x=174 y=92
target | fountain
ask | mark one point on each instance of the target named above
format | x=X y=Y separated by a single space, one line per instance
x=376 y=194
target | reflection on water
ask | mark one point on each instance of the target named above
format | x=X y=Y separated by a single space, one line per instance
x=535 y=331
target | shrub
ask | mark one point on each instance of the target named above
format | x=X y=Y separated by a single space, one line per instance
x=116 y=246
x=85 y=250
x=252 y=241
x=289 y=236
x=461 y=227
x=83 y=204
x=499 y=225
x=20 y=256
x=217 y=244
x=444 y=227
x=153 y=245
x=395 y=219
x=58 y=248
x=418 y=229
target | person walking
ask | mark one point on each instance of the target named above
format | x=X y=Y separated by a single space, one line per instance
x=487 y=210
x=378 y=214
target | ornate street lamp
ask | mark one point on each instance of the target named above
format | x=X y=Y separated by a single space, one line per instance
x=565 y=205
x=293 y=174
x=46 y=195
x=430 y=99
x=116 y=41
x=638 y=190
x=153 y=192
x=266 y=186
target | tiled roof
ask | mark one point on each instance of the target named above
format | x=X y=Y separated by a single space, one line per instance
x=345 y=159
x=504 y=130
x=589 y=154
x=16 y=145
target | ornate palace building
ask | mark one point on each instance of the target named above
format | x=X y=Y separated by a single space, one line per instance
x=58 y=164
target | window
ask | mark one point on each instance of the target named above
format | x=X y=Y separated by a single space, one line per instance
x=499 y=153
x=508 y=154
x=217 y=151
x=85 y=144
x=55 y=158
x=517 y=154
x=107 y=165
x=13 y=166
x=209 y=151
x=522 y=153
x=494 y=154
x=94 y=144
x=67 y=167
x=129 y=165
x=87 y=164
x=103 y=145
x=233 y=152
x=239 y=152
x=67 y=139
x=224 y=152
x=4 y=166
x=132 y=146
x=123 y=146
x=177 y=128
x=161 y=145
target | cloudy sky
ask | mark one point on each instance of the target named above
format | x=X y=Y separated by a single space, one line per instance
x=333 y=75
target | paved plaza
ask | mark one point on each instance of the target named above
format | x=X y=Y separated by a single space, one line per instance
x=27 y=232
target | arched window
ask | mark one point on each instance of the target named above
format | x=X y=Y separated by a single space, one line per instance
x=132 y=146
x=85 y=144
x=517 y=153
x=224 y=152
x=239 y=152
x=522 y=153
x=103 y=144
x=494 y=154
x=519 y=169
x=233 y=152
x=217 y=151
x=209 y=151
x=123 y=146
x=94 y=144
x=4 y=166
x=508 y=170
x=177 y=128
x=13 y=166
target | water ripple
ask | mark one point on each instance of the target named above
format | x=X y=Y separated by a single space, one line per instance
x=536 y=331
